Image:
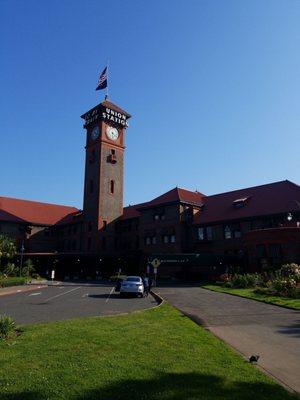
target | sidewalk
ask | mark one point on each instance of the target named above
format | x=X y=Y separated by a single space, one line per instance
x=20 y=289
x=249 y=326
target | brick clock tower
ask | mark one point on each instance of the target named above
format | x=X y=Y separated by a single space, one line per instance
x=104 y=175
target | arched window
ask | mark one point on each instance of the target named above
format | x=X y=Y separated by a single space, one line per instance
x=112 y=186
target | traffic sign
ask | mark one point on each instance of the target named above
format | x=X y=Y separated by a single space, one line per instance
x=156 y=262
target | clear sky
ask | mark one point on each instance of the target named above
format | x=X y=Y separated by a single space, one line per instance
x=213 y=87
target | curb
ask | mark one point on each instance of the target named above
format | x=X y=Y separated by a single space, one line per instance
x=251 y=298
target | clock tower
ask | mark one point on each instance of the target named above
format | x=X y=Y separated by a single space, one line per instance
x=105 y=125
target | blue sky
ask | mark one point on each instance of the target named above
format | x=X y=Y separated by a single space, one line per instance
x=213 y=88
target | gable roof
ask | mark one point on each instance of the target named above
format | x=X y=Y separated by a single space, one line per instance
x=33 y=212
x=273 y=198
x=172 y=196
x=132 y=211
x=176 y=195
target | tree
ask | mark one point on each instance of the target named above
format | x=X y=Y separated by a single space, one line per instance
x=7 y=248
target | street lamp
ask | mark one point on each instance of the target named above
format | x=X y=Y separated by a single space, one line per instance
x=22 y=253
x=289 y=217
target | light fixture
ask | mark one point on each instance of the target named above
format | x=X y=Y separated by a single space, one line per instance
x=289 y=216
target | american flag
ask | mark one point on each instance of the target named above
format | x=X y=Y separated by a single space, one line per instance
x=102 y=82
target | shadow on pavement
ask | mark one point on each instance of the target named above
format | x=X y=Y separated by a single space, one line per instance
x=167 y=386
x=293 y=329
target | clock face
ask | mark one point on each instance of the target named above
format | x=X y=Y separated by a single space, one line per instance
x=95 y=132
x=112 y=133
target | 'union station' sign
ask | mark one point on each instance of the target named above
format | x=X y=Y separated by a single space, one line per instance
x=105 y=114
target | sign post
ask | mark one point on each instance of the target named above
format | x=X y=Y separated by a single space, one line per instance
x=155 y=263
x=52 y=275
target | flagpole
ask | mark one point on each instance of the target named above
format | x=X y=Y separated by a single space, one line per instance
x=106 y=96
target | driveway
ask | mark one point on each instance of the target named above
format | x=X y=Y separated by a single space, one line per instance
x=59 y=302
x=249 y=326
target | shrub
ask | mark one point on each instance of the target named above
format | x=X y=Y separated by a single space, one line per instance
x=246 y=280
x=11 y=281
x=28 y=268
x=7 y=326
x=225 y=277
x=285 y=286
x=10 y=269
x=290 y=271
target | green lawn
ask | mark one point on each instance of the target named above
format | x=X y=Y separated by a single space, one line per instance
x=155 y=354
x=249 y=293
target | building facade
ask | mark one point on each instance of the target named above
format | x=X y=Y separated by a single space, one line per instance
x=189 y=233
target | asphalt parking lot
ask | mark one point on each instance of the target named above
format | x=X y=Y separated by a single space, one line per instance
x=65 y=301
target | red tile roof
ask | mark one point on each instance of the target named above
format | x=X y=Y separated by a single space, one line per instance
x=173 y=195
x=109 y=104
x=132 y=211
x=176 y=195
x=33 y=212
x=274 y=198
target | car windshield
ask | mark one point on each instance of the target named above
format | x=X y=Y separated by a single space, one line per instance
x=133 y=280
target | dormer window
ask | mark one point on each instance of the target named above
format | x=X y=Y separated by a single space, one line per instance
x=239 y=203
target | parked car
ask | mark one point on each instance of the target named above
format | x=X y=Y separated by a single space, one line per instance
x=132 y=284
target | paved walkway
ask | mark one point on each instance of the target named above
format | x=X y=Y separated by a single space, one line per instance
x=18 y=289
x=249 y=326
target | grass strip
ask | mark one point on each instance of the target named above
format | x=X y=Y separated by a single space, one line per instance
x=250 y=294
x=155 y=354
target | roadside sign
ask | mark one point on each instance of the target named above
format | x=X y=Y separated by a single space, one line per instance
x=156 y=262
x=52 y=274
x=155 y=270
x=148 y=268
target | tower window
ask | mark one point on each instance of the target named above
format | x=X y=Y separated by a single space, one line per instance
x=112 y=186
x=104 y=225
x=113 y=152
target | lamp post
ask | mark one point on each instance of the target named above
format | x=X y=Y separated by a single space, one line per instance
x=22 y=253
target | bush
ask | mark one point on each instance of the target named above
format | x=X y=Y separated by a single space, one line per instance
x=285 y=286
x=10 y=269
x=28 y=268
x=246 y=280
x=290 y=271
x=11 y=281
x=7 y=326
x=225 y=277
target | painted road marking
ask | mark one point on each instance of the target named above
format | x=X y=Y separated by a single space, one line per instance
x=110 y=293
x=35 y=294
x=62 y=294
x=85 y=295
x=18 y=291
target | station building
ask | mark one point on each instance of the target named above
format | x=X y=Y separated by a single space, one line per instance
x=189 y=233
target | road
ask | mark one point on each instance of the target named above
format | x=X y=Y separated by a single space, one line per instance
x=59 y=302
x=249 y=326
